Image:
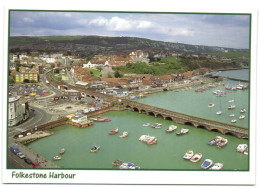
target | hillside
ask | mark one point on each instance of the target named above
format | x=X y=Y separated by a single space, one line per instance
x=113 y=43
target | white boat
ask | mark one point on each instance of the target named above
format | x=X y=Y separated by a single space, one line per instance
x=231 y=115
x=243 y=110
x=233 y=121
x=124 y=134
x=231 y=106
x=232 y=100
x=171 y=128
x=149 y=140
x=211 y=105
x=157 y=125
x=183 y=131
x=242 y=147
x=207 y=163
x=62 y=151
x=221 y=142
x=217 y=166
x=219 y=112
x=94 y=149
x=196 y=158
x=242 y=117
x=56 y=158
x=146 y=124
x=188 y=155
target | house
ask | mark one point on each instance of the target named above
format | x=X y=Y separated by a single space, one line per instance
x=121 y=92
x=72 y=93
x=96 y=63
x=26 y=74
x=80 y=73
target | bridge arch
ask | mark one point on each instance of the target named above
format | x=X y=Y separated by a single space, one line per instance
x=217 y=130
x=128 y=106
x=202 y=127
x=159 y=116
x=169 y=118
x=135 y=109
x=142 y=111
x=151 y=114
x=230 y=133
x=188 y=123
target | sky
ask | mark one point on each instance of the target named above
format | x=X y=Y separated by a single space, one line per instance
x=222 y=30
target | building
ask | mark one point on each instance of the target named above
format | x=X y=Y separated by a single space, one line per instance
x=18 y=111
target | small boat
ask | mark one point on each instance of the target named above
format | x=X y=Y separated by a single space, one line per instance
x=231 y=115
x=217 y=166
x=183 y=131
x=221 y=142
x=124 y=134
x=245 y=152
x=128 y=166
x=212 y=142
x=211 y=105
x=117 y=163
x=154 y=141
x=188 y=155
x=101 y=119
x=94 y=149
x=243 y=110
x=230 y=107
x=114 y=131
x=157 y=125
x=242 y=117
x=149 y=140
x=196 y=158
x=232 y=100
x=171 y=128
x=207 y=163
x=62 y=150
x=219 y=112
x=146 y=124
x=233 y=121
x=242 y=148
x=56 y=158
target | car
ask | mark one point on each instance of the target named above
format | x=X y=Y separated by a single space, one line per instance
x=36 y=165
x=21 y=155
x=27 y=160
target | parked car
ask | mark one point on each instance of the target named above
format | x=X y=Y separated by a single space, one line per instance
x=36 y=165
x=27 y=160
x=21 y=155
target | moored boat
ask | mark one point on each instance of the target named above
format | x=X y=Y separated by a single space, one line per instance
x=114 y=131
x=56 y=158
x=100 y=119
x=157 y=125
x=243 y=110
x=217 y=166
x=94 y=149
x=171 y=128
x=146 y=124
x=196 y=158
x=62 y=151
x=129 y=166
x=183 y=131
x=124 y=134
x=230 y=107
x=149 y=140
x=231 y=115
x=219 y=112
x=117 y=163
x=233 y=121
x=212 y=142
x=242 y=147
x=207 y=163
x=242 y=117
x=211 y=105
x=188 y=155
x=221 y=142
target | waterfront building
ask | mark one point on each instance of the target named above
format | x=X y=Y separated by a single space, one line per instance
x=18 y=111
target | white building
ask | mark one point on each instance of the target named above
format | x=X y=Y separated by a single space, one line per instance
x=79 y=119
x=17 y=111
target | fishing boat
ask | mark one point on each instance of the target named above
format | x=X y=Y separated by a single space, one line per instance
x=211 y=105
x=124 y=134
x=243 y=110
x=242 y=117
x=196 y=158
x=230 y=107
x=100 y=119
x=217 y=166
x=231 y=115
x=56 y=158
x=183 y=131
x=149 y=140
x=219 y=112
x=212 y=142
x=146 y=124
x=157 y=126
x=233 y=121
x=171 y=128
x=221 y=142
x=188 y=155
x=242 y=148
x=207 y=163
x=114 y=131
x=117 y=163
x=62 y=150
x=94 y=149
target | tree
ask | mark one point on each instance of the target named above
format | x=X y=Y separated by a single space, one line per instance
x=11 y=80
x=56 y=71
x=117 y=74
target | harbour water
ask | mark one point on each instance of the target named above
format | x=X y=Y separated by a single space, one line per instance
x=167 y=154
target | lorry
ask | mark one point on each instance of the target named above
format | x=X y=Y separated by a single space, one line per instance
x=14 y=149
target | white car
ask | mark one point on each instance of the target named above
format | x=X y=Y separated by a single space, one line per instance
x=21 y=155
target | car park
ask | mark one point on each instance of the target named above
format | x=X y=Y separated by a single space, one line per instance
x=27 y=160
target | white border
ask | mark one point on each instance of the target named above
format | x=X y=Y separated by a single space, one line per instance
x=141 y=177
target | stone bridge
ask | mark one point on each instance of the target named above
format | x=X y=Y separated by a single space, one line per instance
x=210 y=125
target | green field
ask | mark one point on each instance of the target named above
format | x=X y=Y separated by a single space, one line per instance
x=94 y=72
x=230 y=54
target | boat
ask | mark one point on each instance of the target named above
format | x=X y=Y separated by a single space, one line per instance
x=232 y=100
x=149 y=140
x=196 y=158
x=217 y=166
x=242 y=148
x=207 y=163
x=211 y=105
x=233 y=121
x=221 y=142
x=243 y=110
x=56 y=158
x=146 y=124
x=231 y=115
x=157 y=125
x=171 y=128
x=242 y=117
x=100 y=119
x=129 y=166
x=94 y=149
x=219 y=112
x=62 y=150
x=117 y=163
x=124 y=134
x=114 y=131
x=212 y=142
x=230 y=107
x=188 y=155
x=183 y=131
